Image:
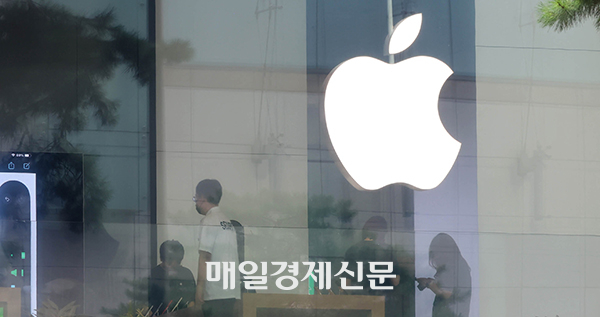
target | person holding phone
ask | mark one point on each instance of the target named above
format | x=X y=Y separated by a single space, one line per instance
x=452 y=281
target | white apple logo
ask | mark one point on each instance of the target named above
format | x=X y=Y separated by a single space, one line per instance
x=383 y=119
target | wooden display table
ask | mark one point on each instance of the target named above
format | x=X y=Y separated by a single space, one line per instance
x=10 y=301
x=254 y=302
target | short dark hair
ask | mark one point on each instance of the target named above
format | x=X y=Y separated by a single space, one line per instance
x=374 y=227
x=210 y=189
x=171 y=251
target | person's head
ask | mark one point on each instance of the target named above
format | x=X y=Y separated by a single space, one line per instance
x=444 y=252
x=171 y=253
x=208 y=195
x=374 y=228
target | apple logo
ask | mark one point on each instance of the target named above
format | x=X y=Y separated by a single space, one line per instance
x=383 y=120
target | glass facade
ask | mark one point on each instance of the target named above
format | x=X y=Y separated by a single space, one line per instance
x=112 y=112
x=75 y=116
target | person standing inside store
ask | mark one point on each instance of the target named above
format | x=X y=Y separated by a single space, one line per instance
x=372 y=249
x=172 y=286
x=452 y=281
x=217 y=243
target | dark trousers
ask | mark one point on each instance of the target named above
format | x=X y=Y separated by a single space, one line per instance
x=219 y=308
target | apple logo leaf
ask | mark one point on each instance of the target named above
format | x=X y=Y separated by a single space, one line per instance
x=405 y=33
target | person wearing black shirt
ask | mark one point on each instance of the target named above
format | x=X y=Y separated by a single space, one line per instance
x=172 y=286
x=371 y=250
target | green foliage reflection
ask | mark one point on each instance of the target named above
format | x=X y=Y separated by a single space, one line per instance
x=564 y=14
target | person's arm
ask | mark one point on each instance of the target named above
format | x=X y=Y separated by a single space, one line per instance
x=203 y=258
x=434 y=287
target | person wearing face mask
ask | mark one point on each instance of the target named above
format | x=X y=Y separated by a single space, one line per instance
x=217 y=243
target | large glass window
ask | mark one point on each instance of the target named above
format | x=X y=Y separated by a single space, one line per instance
x=75 y=135
x=113 y=112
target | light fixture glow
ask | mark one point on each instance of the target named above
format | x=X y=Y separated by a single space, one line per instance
x=383 y=119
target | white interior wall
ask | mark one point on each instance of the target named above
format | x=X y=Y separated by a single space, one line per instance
x=538 y=163
x=237 y=113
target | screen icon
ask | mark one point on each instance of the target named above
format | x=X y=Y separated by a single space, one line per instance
x=11 y=166
x=26 y=166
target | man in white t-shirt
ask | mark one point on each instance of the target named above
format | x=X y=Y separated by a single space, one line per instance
x=217 y=243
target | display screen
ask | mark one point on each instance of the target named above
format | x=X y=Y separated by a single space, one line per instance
x=18 y=231
x=34 y=187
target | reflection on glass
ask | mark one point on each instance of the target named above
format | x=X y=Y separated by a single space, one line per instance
x=60 y=61
x=452 y=281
